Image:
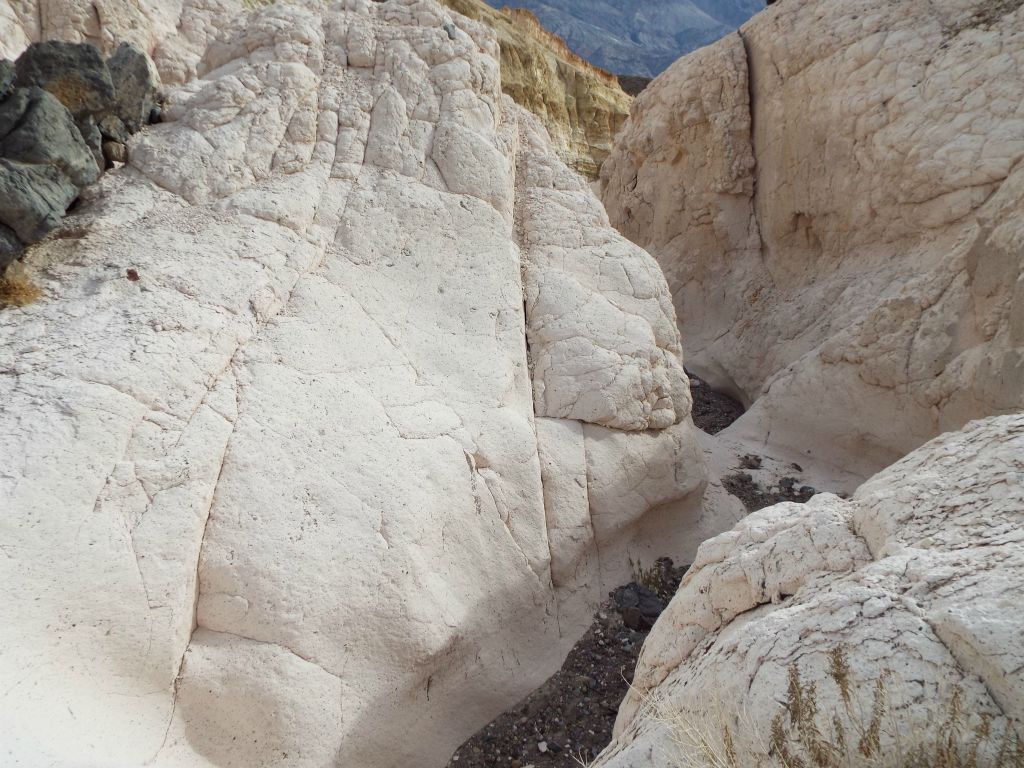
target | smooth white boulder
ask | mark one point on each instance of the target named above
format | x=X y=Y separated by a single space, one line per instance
x=916 y=579
x=299 y=493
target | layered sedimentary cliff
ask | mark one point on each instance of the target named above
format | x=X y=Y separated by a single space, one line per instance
x=639 y=37
x=582 y=107
x=838 y=217
x=342 y=405
x=913 y=585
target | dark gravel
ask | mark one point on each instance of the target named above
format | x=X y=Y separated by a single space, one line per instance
x=755 y=496
x=569 y=719
x=634 y=85
x=712 y=411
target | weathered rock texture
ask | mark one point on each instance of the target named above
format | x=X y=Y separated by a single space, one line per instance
x=65 y=114
x=919 y=574
x=581 y=106
x=291 y=478
x=834 y=194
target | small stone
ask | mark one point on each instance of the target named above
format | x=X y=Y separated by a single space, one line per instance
x=33 y=198
x=133 y=275
x=542 y=746
x=113 y=129
x=750 y=461
x=115 y=152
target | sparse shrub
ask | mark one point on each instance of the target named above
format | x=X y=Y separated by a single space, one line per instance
x=809 y=733
x=17 y=290
x=662 y=578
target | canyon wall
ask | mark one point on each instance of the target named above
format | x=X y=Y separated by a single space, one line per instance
x=639 y=37
x=582 y=107
x=834 y=195
x=341 y=407
x=913 y=584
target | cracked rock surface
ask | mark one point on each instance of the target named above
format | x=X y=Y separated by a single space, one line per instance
x=292 y=476
x=581 y=106
x=919 y=574
x=834 y=194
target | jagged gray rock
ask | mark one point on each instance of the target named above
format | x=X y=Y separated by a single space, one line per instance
x=7 y=75
x=65 y=114
x=45 y=162
x=75 y=73
x=35 y=128
x=136 y=84
x=10 y=247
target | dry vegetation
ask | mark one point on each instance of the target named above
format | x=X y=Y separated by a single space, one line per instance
x=17 y=290
x=808 y=733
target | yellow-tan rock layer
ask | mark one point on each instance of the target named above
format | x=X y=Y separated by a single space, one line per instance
x=582 y=106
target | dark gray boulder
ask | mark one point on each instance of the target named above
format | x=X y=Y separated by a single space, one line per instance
x=33 y=198
x=73 y=72
x=36 y=128
x=136 y=85
x=44 y=162
x=113 y=129
x=7 y=75
x=640 y=607
x=62 y=121
x=10 y=247
x=93 y=138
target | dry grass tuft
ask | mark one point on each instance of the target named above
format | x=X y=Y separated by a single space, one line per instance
x=811 y=731
x=17 y=290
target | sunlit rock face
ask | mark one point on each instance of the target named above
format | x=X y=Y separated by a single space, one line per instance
x=912 y=584
x=834 y=195
x=582 y=107
x=342 y=406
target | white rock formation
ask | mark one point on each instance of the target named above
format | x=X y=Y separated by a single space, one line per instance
x=919 y=574
x=283 y=483
x=834 y=194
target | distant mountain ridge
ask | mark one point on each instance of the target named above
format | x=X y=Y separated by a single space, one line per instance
x=638 y=37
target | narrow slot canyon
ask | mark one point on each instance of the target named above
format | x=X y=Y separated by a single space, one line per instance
x=382 y=385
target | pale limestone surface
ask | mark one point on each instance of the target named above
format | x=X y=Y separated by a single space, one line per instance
x=316 y=488
x=834 y=195
x=919 y=574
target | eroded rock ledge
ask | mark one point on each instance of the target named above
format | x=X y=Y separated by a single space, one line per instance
x=837 y=214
